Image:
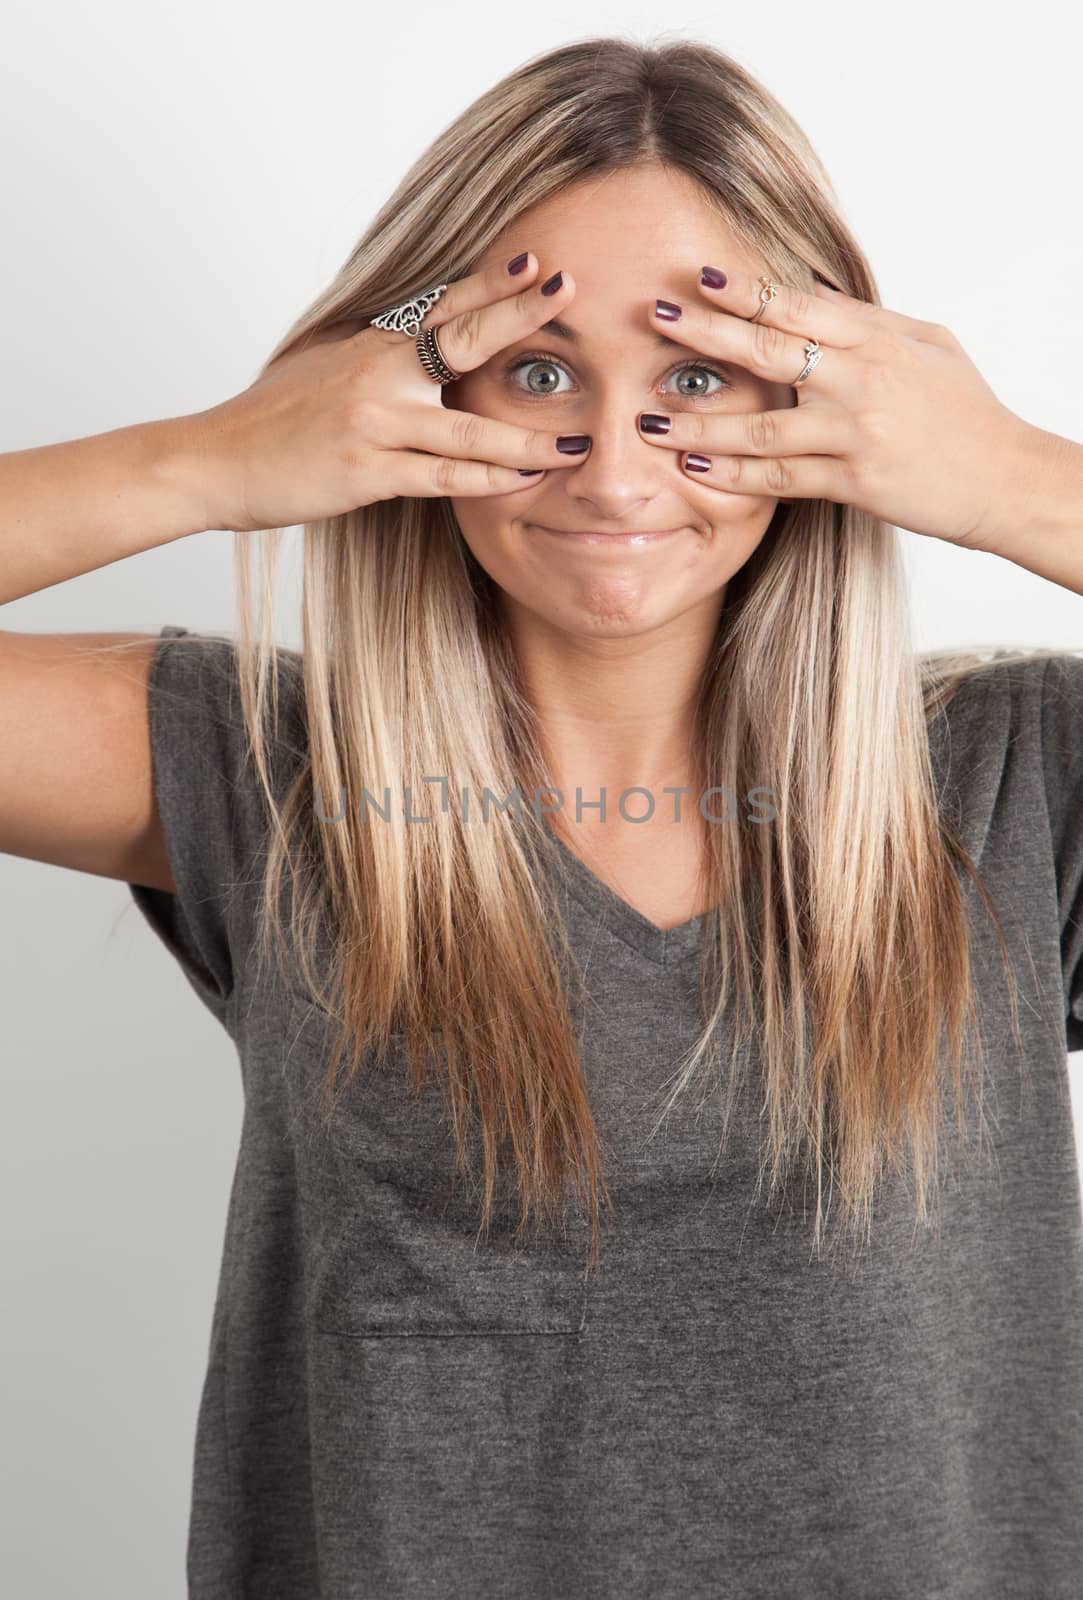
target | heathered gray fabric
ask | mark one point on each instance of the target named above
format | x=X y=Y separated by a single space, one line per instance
x=389 y=1411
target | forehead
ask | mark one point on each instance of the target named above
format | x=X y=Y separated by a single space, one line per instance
x=624 y=237
x=646 y=221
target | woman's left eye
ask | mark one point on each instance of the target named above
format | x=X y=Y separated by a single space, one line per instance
x=700 y=369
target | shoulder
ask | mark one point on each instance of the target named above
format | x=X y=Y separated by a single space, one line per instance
x=211 y=776
x=1006 y=718
x=211 y=801
x=197 y=693
x=972 y=690
x=1007 y=733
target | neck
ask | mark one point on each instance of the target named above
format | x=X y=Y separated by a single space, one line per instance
x=617 y=713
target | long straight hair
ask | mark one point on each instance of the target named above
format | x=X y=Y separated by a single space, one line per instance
x=840 y=937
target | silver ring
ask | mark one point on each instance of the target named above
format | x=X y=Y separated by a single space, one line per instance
x=813 y=357
x=407 y=317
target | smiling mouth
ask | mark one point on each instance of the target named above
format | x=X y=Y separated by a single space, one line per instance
x=615 y=536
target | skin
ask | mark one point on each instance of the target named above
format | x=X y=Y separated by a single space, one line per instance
x=613 y=640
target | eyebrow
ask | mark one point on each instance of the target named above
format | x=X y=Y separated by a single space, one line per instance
x=562 y=331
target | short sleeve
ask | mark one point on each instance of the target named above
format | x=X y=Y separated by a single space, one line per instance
x=1062 y=757
x=213 y=814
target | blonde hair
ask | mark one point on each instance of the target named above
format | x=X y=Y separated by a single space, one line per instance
x=841 y=929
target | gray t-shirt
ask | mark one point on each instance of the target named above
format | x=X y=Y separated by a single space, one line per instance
x=393 y=1407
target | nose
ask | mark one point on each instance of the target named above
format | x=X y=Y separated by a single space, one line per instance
x=621 y=474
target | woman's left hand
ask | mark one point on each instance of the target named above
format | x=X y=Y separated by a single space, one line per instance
x=894 y=419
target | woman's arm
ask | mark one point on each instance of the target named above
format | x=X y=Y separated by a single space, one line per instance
x=72 y=507
x=76 y=780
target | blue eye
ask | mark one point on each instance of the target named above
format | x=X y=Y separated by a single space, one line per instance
x=538 y=359
x=535 y=361
x=705 y=370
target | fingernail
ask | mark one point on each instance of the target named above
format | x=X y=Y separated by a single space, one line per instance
x=666 y=310
x=517 y=263
x=698 y=463
x=654 y=422
x=573 y=444
x=551 y=285
x=712 y=277
x=529 y=472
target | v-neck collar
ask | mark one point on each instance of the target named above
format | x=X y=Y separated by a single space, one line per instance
x=665 y=946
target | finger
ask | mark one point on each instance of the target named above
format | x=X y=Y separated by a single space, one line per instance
x=785 y=477
x=913 y=327
x=493 y=312
x=469 y=293
x=761 y=348
x=807 y=316
x=795 y=431
x=412 y=472
x=466 y=435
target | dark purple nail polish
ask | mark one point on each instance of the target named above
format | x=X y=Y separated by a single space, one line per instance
x=573 y=444
x=698 y=463
x=666 y=310
x=517 y=263
x=551 y=285
x=654 y=422
x=712 y=277
x=529 y=472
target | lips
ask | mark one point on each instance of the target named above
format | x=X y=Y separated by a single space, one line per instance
x=606 y=533
x=616 y=536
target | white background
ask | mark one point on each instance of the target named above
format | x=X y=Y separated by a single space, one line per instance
x=177 y=182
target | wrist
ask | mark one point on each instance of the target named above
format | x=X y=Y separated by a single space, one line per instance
x=1039 y=510
x=184 y=466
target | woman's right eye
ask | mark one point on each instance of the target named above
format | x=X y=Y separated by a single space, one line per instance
x=534 y=361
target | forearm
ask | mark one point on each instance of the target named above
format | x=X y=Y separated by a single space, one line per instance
x=1042 y=510
x=73 y=507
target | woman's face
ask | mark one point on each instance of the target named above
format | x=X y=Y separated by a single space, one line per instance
x=626 y=239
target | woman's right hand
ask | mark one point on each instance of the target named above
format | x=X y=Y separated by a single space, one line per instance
x=353 y=417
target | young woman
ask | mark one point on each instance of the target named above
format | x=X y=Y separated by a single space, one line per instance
x=762 y=851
